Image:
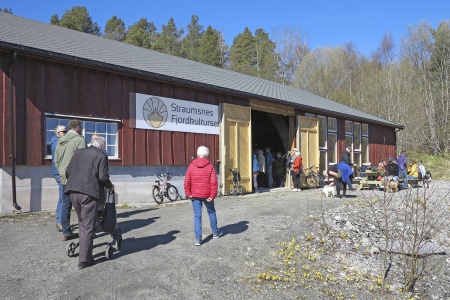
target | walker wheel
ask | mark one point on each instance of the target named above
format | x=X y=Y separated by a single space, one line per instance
x=71 y=249
x=235 y=192
x=109 y=252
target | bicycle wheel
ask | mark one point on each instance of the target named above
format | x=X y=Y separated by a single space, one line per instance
x=321 y=180
x=172 y=193
x=157 y=195
x=310 y=181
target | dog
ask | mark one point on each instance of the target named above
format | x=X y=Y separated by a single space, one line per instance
x=427 y=179
x=391 y=187
x=329 y=191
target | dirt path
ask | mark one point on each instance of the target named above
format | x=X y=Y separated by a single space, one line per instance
x=158 y=259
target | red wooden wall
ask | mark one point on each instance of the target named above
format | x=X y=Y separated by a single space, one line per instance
x=46 y=86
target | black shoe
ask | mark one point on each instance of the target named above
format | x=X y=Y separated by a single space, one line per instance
x=69 y=236
x=82 y=265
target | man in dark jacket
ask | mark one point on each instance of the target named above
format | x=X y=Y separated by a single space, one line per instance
x=345 y=157
x=87 y=176
x=200 y=185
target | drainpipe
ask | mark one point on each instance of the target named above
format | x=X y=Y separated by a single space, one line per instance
x=11 y=125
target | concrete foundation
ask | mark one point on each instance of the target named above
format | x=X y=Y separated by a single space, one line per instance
x=37 y=190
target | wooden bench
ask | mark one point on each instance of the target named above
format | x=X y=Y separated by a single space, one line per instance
x=411 y=182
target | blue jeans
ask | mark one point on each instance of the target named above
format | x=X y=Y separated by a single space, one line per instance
x=60 y=199
x=197 y=205
x=402 y=174
x=65 y=213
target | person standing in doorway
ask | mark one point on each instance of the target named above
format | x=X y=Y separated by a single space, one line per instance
x=87 y=178
x=200 y=185
x=262 y=169
x=297 y=171
x=60 y=131
x=280 y=170
x=269 y=161
x=255 y=171
x=65 y=148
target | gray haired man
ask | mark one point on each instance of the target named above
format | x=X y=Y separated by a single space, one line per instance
x=87 y=176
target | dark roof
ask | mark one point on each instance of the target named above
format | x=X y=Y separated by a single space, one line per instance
x=33 y=37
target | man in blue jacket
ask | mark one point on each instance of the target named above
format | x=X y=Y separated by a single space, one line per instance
x=60 y=131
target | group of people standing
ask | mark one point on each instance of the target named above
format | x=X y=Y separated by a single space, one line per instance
x=270 y=171
x=400 y=168
x=82 y=176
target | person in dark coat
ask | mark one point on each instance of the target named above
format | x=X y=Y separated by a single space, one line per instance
x=345 y=157
x=87 y=177
x=200 y=185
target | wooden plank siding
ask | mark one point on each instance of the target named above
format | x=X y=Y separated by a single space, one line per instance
x=49 y=86
x=381 y=143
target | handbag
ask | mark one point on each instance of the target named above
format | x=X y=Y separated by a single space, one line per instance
x=109 y=221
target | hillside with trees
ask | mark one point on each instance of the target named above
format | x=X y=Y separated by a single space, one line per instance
x=407 y=82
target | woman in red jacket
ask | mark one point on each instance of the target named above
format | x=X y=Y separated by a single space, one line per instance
x=200 y=185
x=298 y=166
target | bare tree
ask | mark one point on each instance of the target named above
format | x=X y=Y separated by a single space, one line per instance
x=291 y=48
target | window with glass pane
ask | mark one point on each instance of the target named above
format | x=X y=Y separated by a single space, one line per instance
x=107 y=130
x=310 y=115
x=365 y=149
x=332 y=124
x=348 y=127
x=357 y=158
x=331 y=145
x=322 y=131
x=50 y=126
x=349 y=141
x=365 y=129
x=357 y=136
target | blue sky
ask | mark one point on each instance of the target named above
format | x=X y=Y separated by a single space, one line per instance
x=324 y=23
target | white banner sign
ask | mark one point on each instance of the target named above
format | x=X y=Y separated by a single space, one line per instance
x=160 y=113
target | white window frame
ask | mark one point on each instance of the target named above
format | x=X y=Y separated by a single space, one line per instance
x=83 y=119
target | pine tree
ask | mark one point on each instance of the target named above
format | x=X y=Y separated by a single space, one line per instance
x=191 y=42
x=267 y=66
x=7 y=10
x=242 y=57
x=142 y=34
x=115 y=29
x=210 y=48
x=77 y=18
x=169 y=40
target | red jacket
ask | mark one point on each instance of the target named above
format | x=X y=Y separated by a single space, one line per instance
x=298 y=164
x=201 y=179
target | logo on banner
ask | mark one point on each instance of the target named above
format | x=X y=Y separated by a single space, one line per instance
x=155 y=112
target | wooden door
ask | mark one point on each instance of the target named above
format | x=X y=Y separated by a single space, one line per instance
x=235 y=146
x=308 y=141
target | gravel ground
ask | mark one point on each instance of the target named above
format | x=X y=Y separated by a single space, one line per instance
x=158 y=259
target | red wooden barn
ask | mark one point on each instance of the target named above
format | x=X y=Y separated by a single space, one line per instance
x=154 y=111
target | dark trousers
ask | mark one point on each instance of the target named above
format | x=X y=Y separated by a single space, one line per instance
x=296 y=180
x=66 y=207
x=86 y=209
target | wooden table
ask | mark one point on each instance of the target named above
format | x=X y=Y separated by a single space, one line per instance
x=369 y=180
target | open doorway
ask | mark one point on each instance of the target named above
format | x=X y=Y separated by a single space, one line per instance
x=270 y=130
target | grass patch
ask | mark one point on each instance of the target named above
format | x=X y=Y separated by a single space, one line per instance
x=438 y=165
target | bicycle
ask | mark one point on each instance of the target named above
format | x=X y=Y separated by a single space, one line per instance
x=162 y=188
x=313 y=178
